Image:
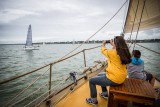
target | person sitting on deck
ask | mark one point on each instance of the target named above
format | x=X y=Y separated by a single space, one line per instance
x=116 y=71
x=136 y=67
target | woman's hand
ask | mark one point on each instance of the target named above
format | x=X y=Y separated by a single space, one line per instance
x=104 y=43
x=112 y=43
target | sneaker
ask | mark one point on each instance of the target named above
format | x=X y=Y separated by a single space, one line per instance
x=89 y=101
x=103 y=96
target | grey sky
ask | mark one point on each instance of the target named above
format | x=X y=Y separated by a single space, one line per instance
x=59 y=20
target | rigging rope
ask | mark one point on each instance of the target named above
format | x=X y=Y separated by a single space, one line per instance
x=28 y=95
x=96 y=31
x=148 y=49
x=125 y=16
x=73 y=69
x=134 y=19
x=51 y=94
x=139 y=23
x=138 y=29
x=43 y=95
x=153 y=63
x=69 y=53
x=25 y=88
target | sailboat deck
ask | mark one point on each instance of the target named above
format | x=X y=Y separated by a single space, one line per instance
x=77 y=98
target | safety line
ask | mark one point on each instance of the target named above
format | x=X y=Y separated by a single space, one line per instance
x=96 y=31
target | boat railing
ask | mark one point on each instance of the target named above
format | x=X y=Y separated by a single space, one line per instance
x=49 y=68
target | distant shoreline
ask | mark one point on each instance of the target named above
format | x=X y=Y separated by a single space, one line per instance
x=88 y=42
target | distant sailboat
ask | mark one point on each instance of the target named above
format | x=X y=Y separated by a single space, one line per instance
x=29 y=45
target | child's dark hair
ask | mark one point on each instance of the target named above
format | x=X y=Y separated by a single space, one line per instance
x=136 y=53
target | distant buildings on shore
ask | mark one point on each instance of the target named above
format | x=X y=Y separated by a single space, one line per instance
x=100 y=41
x=93 y=42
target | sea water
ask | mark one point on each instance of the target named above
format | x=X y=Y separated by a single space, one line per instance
x=15 y=61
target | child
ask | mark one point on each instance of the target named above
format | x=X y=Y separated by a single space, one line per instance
x=136 y=67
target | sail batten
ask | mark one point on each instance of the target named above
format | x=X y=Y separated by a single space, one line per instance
x=29 y=36
x=150 y=16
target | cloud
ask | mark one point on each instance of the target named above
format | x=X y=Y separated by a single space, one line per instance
x=8 y=15
x=146 y=34
x=60 y=19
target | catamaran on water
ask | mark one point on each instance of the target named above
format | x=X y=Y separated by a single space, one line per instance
x=141 y=15
x=29 y=44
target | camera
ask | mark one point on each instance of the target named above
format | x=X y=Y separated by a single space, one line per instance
x=107 y=41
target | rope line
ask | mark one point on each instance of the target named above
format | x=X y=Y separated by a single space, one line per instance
x=23 y=79
x=96 y=31
x=53 y=63
x=1 y=82
x=157 y=65
x=43 y=94
x=28 y=95
x=139 y=24
x=25 y=89
x=134 y=19
x=65 y=56
x=124 y=17
x=56 y=100
x=148 y=49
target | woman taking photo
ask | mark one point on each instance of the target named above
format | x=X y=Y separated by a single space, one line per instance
x=116 y=71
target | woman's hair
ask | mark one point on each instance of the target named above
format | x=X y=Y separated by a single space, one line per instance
x=136 y=53
x=122 y=50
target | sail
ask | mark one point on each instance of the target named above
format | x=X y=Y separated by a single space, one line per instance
x=29 y=37
x=150 y=17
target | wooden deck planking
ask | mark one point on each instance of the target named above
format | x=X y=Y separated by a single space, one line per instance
x=77 y=98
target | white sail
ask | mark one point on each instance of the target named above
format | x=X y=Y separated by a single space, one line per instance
x=29 y=45
x=150 y=17
x=29 y=36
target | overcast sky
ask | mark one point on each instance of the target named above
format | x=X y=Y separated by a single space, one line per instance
x=60 y=20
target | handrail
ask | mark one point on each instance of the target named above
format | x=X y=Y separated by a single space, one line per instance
x=13 y=78
x=92 y=48
x=16 y=77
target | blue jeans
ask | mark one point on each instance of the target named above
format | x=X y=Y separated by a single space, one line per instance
x=101 y=80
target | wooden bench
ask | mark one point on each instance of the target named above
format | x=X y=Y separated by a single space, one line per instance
x=132 y=90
